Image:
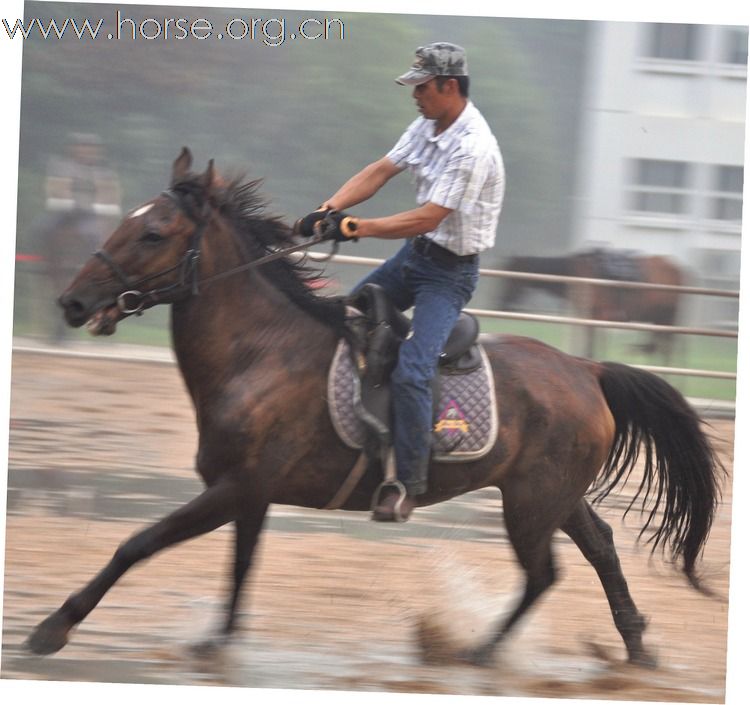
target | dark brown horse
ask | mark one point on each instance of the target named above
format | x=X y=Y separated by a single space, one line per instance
x=605 y=303
x=254 y=347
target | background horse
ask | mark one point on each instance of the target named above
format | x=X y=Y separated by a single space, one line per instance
x=63 y=242
x=254 y=343
x=605 y=303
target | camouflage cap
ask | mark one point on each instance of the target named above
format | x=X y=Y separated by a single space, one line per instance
x=438 y=59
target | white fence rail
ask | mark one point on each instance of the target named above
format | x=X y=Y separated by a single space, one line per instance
x=705 y=406
x=588 y=322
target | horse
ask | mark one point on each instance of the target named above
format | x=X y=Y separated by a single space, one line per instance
x=253 y=343
x=64 y=242
x=605 y=303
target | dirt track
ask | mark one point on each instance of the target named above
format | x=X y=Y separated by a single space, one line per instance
x=99 y=448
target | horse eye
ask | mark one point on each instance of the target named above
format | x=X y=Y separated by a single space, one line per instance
x=151 y=237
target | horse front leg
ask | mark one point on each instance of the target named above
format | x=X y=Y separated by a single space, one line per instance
x=246 y=534
x=247 y=531
x=215 y=507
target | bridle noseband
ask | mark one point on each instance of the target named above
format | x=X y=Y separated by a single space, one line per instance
x=187 y=268
x=134 y=301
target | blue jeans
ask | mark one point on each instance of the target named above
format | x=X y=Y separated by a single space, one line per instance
x=437 y=292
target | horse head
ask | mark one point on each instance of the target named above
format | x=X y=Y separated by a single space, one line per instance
x=150 y=258
x=511 y=289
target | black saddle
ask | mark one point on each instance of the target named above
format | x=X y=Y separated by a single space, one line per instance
x=375 y=335
x=621 y=265
x=379 y=331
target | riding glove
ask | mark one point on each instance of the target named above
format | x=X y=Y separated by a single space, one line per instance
x=338 y=226
x=330 y=223
x=306 y=226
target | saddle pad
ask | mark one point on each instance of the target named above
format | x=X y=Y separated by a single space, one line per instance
x=466 y=423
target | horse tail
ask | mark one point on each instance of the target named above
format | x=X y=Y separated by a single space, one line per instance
x=681 y=469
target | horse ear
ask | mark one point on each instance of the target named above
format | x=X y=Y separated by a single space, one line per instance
x=181 y=165
x=207 y=178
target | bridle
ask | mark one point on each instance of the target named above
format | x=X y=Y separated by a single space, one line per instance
x=134 y=301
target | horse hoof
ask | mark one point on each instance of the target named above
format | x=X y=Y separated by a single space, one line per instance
x=481 y=656
x=644 y=659
x=209 y=648
x=50 y=635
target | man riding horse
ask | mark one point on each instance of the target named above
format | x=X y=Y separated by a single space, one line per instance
x=460 y=182
x=254 y=345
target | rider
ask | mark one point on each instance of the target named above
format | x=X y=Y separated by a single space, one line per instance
x=459 y=175
x=82 y=198
x=81 y=182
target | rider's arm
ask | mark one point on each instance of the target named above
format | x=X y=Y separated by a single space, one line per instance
x=363 y=185
x=411 y=223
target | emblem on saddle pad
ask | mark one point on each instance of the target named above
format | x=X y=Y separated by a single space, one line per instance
x=451 y=429
x=465 y=425
x=452 y=419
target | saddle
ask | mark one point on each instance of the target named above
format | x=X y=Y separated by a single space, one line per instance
x=378 y=329
x=621 y=265
x=359 y=385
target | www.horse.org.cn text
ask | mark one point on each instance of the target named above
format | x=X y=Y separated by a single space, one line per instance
x=271 y=32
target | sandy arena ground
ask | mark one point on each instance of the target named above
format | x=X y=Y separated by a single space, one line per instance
x=99 y=448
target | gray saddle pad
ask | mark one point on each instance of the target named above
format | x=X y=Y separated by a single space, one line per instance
x=466 y=423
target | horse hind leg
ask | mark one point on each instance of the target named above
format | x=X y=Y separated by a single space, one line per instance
x=666 y=345
x=532 y=541
x=593 y=536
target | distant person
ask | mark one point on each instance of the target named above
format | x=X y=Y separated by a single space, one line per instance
x=82 y=204
x=81 y=184
x=458 y=172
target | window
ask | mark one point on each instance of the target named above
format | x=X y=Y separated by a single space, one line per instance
x=734 y=50
x=726 y=199
x=659 y=186
x=673 y=41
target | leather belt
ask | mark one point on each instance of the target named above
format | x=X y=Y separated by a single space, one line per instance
x=427 y=248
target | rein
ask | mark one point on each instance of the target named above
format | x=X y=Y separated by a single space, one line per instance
x=133 y=300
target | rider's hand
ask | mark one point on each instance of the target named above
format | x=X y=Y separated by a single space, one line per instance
x=306 y=226
x=338 y=226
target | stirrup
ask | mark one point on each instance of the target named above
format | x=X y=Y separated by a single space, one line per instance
x=397 y=484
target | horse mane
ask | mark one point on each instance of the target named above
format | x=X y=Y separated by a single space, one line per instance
x=260 y=234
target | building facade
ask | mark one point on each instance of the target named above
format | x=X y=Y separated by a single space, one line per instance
x=663 y=147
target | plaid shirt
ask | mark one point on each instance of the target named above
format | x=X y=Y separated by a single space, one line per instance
x=461 y=169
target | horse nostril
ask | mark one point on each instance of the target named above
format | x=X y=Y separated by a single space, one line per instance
x=73 y=308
